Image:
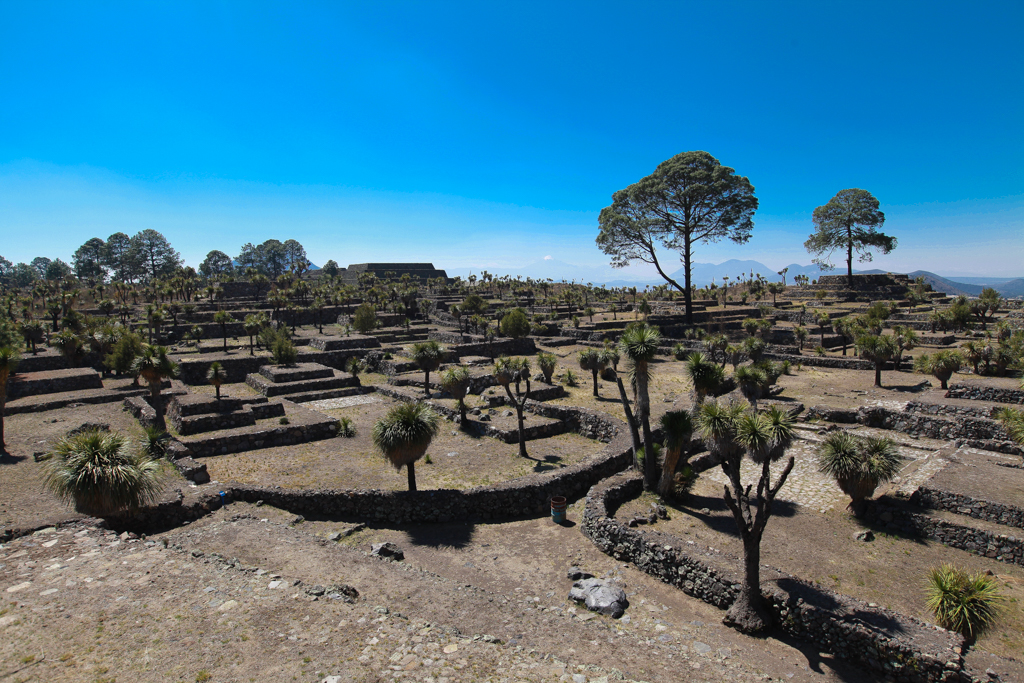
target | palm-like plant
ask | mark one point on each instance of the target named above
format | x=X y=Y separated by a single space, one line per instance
x=751 y=381
x=547 y=363
x=509 y=372
x=455 y=380
x=706 y=376
x=1013 y=421
x=800 y=332
x=858 y=465
x=403 y=436
x=102 y=473
x=678 y=428
x=879 y=349
x=961 y=602
x=428 y=356
x=70 y=346
x=639 y=344
x=942 y=365
x=216 y=375
x=32 y=333
x=222 y=318
x=591 y=359
x=728 y=431
x=251 y=325
x=904 y=339
x=8 y=362
x=154 y=366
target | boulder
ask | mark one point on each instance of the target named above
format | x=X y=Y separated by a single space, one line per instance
x=600 y=596
x=387 y=551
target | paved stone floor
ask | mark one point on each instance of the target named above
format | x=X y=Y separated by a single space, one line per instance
x=808 y=487
x=345 y=402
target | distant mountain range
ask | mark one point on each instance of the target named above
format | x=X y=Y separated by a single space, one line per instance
x=703 y=274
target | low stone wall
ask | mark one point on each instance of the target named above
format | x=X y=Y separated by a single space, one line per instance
x=474 y=345
x=52 y=382
x=976 y=392
x=975 y=432
x=238 y=366
x=250 y=440
x=355 y=341
x=885 y=642
x=1001 y=547
x=830 y=414
x=1000 y=513
x=538 y=392
x=840 y=362
x=524 y=497
x=41 y=362
x=948 y=410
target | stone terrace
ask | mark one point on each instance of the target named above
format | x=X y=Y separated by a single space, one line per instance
x=303 y=382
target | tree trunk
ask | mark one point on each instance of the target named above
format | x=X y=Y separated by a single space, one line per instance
x=749 y=613
x=643 y=412
x=522 y=436
x=687 y=298
x=410 y=471
x=426 y=383
x=3 y=444
x=668 y=470
x=462 y=412
x=224 y=333
x=594 y=371
x=631 y=421
x=878 y=375
x=849 y=256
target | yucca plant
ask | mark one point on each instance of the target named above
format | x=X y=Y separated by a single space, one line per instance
x=570 y=378
x=509 y=372
x=942 y=365
x=216 y=376
x=1013 y=423
x=403 y=436
x=858 y=465
x=455 y=380
x=678 y=428
x=751 y=381
x=591 y=359
x=547 y=363
x=962 y=602
x=428 y=356
x=705 y=374
x=102 y=473
x=639 y=344
x=346 y=428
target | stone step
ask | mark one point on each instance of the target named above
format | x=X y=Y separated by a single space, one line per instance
x=52 y=382
x=338 y=380
x=298 y=372
x=307 y=396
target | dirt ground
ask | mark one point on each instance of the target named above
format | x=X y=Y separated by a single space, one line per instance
x=458 y=459
x=890 y=571
x=469 y=603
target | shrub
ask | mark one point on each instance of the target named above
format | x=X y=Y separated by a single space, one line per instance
x=961 y=602
x=571 y=379
x=346 y=428
x=547 y=362
x=365 y=318
x=515 y=324
x=102 y=473
x=282 y=350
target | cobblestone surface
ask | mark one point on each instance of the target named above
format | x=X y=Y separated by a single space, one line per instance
x=345 y=402
x=808 y=487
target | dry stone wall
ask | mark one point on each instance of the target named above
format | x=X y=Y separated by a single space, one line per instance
x=980 y=393
x=885 y=642
x=1000 y=513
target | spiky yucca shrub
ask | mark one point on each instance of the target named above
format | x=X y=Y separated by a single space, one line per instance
x=102 y=473
x=404 y=434
x=858 y=465
x=547 y=362
x=216 y=376
x=678 y=428
x=962 y=602
x=455 y=380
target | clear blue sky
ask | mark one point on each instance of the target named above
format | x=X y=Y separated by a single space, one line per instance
x=491 y=134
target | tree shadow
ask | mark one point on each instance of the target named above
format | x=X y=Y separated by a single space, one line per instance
x=7 y=458
x=843 y=670
x=447 y=535
x=548 y=462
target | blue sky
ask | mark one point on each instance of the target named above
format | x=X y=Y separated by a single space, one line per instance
x=490 y=135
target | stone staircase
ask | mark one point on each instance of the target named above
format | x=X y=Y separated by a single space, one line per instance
x=199 y=413
x=303 y=382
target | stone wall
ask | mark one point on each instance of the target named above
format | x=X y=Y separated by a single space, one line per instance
x=976 y=392
x=1000 y=547
x=949 y=410
x=885 y=642
x=52 y=382
x=975 y=432
x=475 y=345
x=250 y=440
x=841 y=362
x=1000 y=513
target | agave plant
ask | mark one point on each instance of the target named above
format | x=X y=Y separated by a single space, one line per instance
x=858 y=465
x=403 y=436
x=962 y=602
x=942 y=365
x=706 y=376
x=102 y=473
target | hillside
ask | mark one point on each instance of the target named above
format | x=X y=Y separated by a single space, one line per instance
x=941 y=284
